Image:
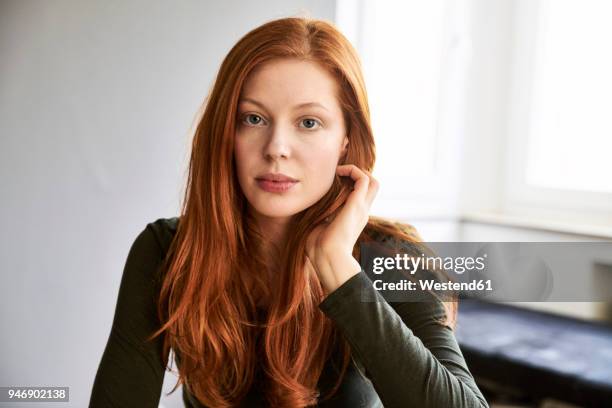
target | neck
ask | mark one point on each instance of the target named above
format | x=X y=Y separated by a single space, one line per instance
x=274 y=229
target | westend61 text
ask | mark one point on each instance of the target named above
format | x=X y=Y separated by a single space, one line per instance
x=404 y=284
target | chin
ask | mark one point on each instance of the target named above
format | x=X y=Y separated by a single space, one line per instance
x=282 y=206
x=276 y=209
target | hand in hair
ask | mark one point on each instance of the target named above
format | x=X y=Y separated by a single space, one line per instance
x=329 y=247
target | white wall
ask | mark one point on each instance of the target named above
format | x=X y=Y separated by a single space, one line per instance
x=96 y=101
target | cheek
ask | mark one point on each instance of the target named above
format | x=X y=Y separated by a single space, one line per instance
x=242 y=157
x=321 y=165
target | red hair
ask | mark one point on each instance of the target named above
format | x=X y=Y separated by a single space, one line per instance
x=215 y=263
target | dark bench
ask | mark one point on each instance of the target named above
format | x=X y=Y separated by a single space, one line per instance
x=537 y=354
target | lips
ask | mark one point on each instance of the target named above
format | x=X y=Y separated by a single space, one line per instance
x=278 y=177
x=275 y=182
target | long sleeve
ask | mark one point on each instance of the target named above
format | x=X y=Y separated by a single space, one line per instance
x=131 y=372
x=412 y=360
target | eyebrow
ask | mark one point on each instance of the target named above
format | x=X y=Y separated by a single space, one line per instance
x=301 y=105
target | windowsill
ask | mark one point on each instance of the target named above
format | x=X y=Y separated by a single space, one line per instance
x=517 y=221
x=566 y=227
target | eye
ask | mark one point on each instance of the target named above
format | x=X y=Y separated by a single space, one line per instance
x=311 y=123
x=246 y=120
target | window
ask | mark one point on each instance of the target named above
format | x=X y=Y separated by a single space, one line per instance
x=562 y=141
x=571 y=136
x=407 y=48
x=488 y=107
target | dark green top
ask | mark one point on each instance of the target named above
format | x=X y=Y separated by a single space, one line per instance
x=402 y=357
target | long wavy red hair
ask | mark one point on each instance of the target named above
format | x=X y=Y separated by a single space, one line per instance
x=215 y=264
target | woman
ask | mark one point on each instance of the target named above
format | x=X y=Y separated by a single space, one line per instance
x=256 y=287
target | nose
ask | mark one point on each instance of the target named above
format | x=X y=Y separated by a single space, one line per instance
x=277 y=146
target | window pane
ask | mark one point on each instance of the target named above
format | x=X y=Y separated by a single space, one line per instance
x=570 y=140
x=402 y=44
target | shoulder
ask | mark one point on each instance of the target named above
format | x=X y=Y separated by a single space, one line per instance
x=164 y=226
x=153 y=241
x=164 y=230
x=146 y=255
x=409 y=230
x=392 y=231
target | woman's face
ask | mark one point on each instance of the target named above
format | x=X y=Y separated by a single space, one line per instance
x=289 y=122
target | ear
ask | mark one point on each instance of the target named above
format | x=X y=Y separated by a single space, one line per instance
x=345 y=145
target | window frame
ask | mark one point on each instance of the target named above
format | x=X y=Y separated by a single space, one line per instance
x=520 y=198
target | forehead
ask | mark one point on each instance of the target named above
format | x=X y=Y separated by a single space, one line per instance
x=285 y=82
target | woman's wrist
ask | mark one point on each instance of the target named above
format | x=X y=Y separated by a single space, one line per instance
x=335 y=268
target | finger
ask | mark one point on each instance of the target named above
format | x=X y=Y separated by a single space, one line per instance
x=362 y=180
x=372 y=184
x=372 y=188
